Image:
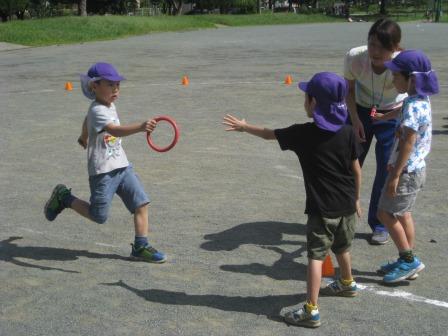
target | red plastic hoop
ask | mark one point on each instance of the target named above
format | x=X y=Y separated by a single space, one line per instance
x=176 y=135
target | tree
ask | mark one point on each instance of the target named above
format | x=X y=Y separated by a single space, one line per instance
x=175 y=6
x=82 y=7
x=383 y=7
x=8 y=8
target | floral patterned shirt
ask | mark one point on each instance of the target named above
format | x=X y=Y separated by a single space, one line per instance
x=415 y=115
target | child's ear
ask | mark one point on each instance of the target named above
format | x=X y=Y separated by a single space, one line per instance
x=92 y=86
x=313 y=103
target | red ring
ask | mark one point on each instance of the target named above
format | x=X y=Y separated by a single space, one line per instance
x=173 y=143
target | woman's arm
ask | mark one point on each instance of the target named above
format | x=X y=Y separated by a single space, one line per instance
x=351 y=104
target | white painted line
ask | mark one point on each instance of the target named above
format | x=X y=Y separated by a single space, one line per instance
x=404 y=295
x=106 y=245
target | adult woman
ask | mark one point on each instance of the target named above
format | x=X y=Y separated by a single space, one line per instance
x=370 y=87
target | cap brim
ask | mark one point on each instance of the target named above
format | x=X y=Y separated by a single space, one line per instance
x=114 y=78
x=392 y=66
x=303 y=86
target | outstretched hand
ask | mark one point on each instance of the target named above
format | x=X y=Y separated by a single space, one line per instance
x=234 y=123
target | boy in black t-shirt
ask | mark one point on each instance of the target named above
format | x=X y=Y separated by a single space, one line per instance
x=326 y=149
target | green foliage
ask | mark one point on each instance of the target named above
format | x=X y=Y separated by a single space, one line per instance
x=93 y=28
x=12 y=6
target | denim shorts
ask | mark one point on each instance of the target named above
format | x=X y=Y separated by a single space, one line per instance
x=123 y=182
x=409 y=185
x=324 y=233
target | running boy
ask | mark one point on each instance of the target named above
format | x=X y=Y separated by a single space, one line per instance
x=109 y=169
x=412 y=74
x=326 y=149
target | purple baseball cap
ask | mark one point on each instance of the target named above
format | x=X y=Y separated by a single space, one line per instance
x=417 y=64
x=329 y=90
x=97 y=72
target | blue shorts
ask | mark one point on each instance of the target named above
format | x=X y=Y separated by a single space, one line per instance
x=123 y=182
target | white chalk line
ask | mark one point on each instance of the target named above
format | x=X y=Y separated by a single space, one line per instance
x=62 y=237
x=403 y=295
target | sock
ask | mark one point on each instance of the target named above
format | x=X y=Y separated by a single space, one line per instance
x=310 y=307
x=140 y=241
x=346 y=282
x=407 y=256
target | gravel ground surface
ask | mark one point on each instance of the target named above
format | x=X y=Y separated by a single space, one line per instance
x=226 y=208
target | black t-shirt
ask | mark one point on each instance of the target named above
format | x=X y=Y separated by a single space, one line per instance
x=326 y=159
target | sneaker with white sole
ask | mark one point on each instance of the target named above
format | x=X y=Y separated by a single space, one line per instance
x=147 y=253
x=336 y=288
x=403 y=270
x=389 y=266
x=379 y=237
x=303 y=318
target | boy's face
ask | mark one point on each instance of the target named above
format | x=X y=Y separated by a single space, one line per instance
x=106 y=91
x=400 y=82
x=377 y=53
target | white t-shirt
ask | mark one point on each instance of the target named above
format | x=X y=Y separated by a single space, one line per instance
x=370 y=88
x=104 y=151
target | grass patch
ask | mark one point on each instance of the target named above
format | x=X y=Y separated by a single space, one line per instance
x=72 y=29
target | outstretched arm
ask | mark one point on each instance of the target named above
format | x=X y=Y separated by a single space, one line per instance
x=125 y=130
x=394 y=114
x=240 y=125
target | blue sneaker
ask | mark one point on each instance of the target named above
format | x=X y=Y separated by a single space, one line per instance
x=389 y=266
x=147 y=253
x=403 y=270
x=303 y=318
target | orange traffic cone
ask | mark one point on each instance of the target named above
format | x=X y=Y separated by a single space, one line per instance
x=185 y=81
x=68 y=86
x=327 y=267
x=288 y=80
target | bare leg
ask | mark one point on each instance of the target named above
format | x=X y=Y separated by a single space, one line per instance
x=408 y=225
x=396 y=231
x=345 y=265
x=141 y=221
x=314 y=276
x=82 y=208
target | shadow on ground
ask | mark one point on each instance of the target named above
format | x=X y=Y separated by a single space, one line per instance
x=269 y=306
x=11 y=251
x=268 y=236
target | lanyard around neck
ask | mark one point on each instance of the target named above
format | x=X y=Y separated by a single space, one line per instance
x=382 y=91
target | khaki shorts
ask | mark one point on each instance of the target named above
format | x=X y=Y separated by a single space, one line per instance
x=325 y=233
x=408 y=186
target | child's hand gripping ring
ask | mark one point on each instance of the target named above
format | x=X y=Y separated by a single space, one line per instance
x=175 y=138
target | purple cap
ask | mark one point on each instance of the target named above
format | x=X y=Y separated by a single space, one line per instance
x=329 y=90
x=96 y=72
x=416 y=63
